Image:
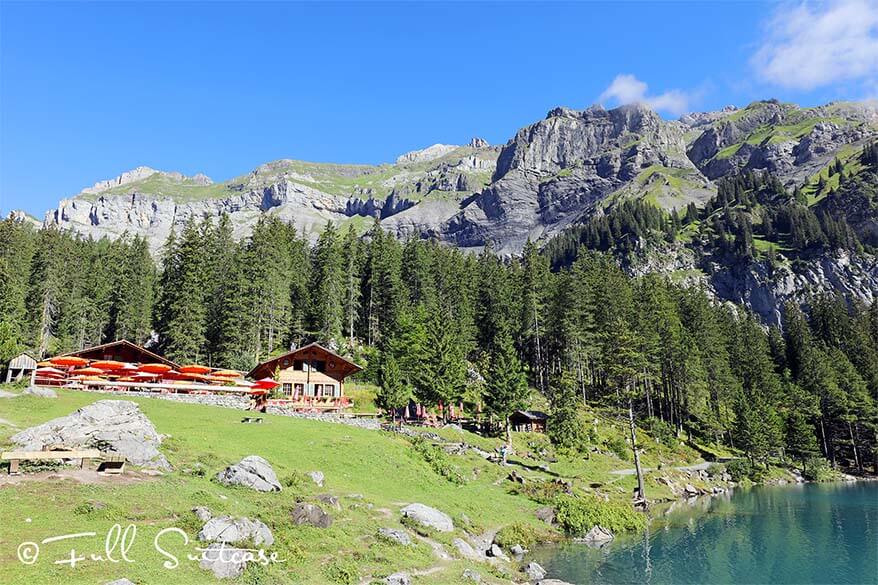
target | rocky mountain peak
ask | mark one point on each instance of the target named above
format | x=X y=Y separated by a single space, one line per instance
x=477 y=142
x=140 y=173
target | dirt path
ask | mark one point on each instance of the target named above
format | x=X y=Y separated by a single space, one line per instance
x=83 y=476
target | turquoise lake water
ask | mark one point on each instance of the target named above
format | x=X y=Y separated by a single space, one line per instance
x=825 y=533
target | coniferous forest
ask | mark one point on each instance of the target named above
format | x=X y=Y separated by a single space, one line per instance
x=433 y=324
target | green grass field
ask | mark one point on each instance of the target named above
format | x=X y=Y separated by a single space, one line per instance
x=373 y=473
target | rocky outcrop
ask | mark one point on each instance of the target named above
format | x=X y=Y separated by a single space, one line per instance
x=764 y=289
x=113 y=426
x=557 y=170
x=791 y=142
x=252 y=472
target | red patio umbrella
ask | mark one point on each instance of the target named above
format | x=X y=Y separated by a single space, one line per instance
x=49 y=372
x=265 y=384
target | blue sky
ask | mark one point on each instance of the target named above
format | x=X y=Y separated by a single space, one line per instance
x=90 y=90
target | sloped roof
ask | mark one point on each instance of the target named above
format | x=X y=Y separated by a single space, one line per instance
x=343 y=366
x=97 y=352
x=531 y=414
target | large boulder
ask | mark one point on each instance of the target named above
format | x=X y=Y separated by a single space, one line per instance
x=113 y=426
x=224 y=561
x=253 y=472
x=236 y=530
x=311 y=515
x=429 y=517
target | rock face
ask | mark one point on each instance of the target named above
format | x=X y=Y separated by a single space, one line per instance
x=114 y=426
x=429 y=517
x=429 y=183
x=399 y=578
x=764 y=290
x=557 y=170
x=252 y=472
x=236 y=530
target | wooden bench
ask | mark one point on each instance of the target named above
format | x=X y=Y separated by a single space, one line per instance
x=251 y=419
x=14 y=457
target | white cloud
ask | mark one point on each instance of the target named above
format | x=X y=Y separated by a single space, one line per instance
x=809 y=46
x=627 y=89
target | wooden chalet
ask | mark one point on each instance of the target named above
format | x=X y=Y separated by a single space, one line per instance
x=311 y=377
x=528 y=421
x=122 y=351
x=20 y=366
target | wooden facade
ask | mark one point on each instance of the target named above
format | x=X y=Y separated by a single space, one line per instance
x=20 y=366
x=311 y=376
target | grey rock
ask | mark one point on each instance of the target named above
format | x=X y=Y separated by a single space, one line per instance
x=395 y=535
x=113 y=426
x=330 y=500
x=466 y=550
x=691 y=490
x=120 y=582
x=471 y=576
x=518 y=551
x=534 y=571
x=202 y=513
x=5 y=394
x=553 y=582
x=497 y=552
x=223 y=561
x=235 y=531
x=400 y=578
x=429 y=517
x=597 y=534
x=40 y=391
x=252 y=472
x=546 y=514
x=317 y=477
x=312 y=515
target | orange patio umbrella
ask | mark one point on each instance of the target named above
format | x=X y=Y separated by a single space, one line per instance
x=108 y=365
x=49 y=372
x=87 y=372
x=155 y=368
x=194 y=369
x=68 y=360
x=227 y=374
x=44 y=364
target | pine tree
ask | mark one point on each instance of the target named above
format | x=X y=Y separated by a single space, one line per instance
x=393 y=393
x=328 y=284
x=506 y=382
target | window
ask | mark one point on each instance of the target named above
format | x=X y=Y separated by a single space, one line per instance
x=318 y=389
x=299 y=388
x=288 y=389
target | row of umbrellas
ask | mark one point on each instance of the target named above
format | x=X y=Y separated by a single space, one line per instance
x=62 y=367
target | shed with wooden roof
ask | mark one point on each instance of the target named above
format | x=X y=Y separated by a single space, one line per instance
x=20 y=366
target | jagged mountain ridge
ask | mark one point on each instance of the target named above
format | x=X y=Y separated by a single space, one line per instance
x=551 y=174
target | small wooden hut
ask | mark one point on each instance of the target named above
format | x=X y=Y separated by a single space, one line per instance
x=528 y=421
x=122 y=351
x=20 y=366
